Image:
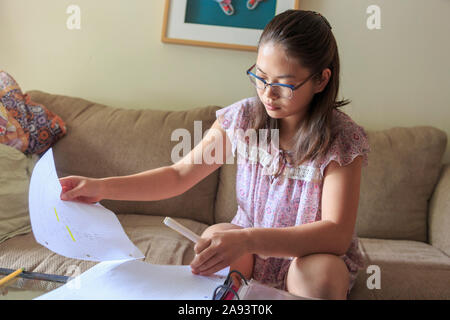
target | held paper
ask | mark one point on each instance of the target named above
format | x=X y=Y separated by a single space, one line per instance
x=74 y=229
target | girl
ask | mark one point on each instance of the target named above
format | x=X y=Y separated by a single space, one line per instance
x=298 y=194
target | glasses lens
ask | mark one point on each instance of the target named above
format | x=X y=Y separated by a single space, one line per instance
x=281 y=91
x=256 y=82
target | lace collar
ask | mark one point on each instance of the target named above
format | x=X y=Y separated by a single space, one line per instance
x=275 y=164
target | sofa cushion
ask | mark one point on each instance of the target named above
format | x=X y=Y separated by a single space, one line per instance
x=226 y=200
x=104 y=141
x=15 y=174
x=159 y=244
x=403 y=170
x=408 y=270
x=439 y=215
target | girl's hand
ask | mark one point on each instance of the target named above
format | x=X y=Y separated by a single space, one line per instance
x=219 y=251
x=75 y=188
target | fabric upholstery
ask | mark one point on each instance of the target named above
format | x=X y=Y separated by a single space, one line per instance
x=408 y=270
x=159 y=244
x=439 y=216
x=15 y=174
x=105 y=141
x=396 y=186
x=226 y=201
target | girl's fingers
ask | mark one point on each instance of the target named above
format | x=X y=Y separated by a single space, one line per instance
x=201 y=258
x=217 y=267
x=66 y=182
x=201 y=245
x=210 y=263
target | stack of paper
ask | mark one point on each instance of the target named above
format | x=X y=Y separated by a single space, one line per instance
x=92 y=232
x=136 y=280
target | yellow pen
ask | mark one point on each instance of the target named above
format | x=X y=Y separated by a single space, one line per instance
x=10 y=277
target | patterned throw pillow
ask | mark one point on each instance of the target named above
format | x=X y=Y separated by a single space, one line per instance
x=41 y=127
x=11 y=133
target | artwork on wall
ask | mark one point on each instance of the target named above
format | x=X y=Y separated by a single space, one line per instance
x=231 y=24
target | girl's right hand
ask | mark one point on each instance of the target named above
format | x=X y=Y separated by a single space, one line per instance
x=82 y=189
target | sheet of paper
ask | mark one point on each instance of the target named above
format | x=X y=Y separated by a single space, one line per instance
x=74 y=229
x=137 y=280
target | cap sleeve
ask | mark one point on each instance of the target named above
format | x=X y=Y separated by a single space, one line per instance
x=235 y=117
x=350 y=141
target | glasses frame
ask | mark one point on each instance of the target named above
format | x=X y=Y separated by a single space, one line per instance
x=293 y=88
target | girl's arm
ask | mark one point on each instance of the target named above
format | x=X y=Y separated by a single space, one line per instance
x=155 y=184
x=333 y=234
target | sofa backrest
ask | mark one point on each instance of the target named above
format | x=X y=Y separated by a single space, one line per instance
x=396 y=186
x=103 y=141
x=404 y=165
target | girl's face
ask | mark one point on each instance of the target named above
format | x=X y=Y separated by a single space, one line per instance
x=274 y=66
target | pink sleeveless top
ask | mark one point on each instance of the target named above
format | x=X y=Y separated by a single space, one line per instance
x=273 y=193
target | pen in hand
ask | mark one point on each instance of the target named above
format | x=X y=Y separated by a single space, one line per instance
x=171 y=223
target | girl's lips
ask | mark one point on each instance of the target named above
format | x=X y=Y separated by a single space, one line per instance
x=270 y=107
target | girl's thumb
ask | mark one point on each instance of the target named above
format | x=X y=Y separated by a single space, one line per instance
x=71 y=194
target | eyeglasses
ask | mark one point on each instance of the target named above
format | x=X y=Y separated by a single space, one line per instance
x=279 y=89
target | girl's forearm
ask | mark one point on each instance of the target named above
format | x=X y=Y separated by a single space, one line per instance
x=156 y=184
x=298 y=241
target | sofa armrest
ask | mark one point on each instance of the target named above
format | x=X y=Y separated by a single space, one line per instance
x=439 y=213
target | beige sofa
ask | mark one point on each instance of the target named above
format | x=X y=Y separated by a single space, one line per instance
x=403 y=219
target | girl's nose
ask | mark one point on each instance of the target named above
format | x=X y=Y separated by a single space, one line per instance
x=270 y=93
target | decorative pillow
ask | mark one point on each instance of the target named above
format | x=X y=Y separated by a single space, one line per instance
x=42 y=127
x=11 y=133
x=15 y=175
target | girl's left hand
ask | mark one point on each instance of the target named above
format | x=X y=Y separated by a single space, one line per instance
x=218 y=251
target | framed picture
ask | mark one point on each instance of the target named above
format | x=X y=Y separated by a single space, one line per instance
x=209 y=23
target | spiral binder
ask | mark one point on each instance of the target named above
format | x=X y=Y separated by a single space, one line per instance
x=251 y=290
x=220 y=293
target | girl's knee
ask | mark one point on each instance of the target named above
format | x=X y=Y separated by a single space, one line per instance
x=322 y=276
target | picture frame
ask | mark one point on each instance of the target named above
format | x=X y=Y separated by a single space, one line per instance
x=186 y=22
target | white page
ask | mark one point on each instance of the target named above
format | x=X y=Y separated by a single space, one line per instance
x=137 y=280
x=73 y=229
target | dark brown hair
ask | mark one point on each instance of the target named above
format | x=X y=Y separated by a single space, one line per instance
x=307 y=37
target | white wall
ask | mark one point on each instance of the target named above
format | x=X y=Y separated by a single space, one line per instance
x=395 y=76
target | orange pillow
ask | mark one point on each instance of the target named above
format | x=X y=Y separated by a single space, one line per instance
x=11 y=133
x=41 y=127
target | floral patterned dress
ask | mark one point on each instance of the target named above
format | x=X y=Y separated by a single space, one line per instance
x=273 y=193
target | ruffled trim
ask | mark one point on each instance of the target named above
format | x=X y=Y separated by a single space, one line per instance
x=235 y=117
x=350 y=142
x=242 y=219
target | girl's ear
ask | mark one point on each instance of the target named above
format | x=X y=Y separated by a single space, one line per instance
x=322 y=83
